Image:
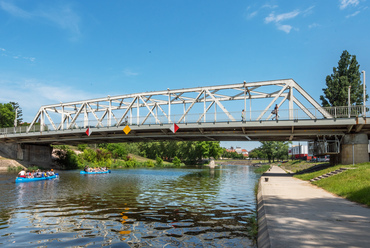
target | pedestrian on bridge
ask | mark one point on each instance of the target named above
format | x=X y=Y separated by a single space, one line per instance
x=275 y=112
x=243 y=115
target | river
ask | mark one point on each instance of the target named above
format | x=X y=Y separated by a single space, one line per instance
x=130 y=208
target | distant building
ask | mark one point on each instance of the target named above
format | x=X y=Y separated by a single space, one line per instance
x=299 y=152
x=238 y=150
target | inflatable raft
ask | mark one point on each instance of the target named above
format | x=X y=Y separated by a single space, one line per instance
x=94 y=172
x=23 y=179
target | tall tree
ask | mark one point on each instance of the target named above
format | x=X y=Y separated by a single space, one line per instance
x=7 y=115
x=346 y=74
x=275 y=149
x=19 y=112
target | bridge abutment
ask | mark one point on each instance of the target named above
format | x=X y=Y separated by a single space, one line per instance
x=39 y=155
x=354 y=149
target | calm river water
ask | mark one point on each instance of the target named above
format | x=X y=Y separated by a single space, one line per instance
x=130 y=208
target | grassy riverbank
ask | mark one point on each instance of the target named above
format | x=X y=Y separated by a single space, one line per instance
x=352 y=184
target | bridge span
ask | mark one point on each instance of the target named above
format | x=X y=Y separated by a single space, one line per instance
x=211 y=113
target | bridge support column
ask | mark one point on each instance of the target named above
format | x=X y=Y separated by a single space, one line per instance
x=354 y=149
x=39 y=155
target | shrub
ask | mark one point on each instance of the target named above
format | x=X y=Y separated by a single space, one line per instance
x=130 y=163
x=176 y=161
x=159 y=161
x=149 y=163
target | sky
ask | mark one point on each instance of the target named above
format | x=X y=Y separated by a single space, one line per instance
x=61 y=51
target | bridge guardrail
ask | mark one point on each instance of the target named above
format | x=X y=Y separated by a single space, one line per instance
x=210 y=117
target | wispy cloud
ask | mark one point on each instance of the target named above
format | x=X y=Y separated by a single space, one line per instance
x=285 y=28
x=63 y=16
x=13 y=55
x=313 y=25
x=345 y=3
x=14 y=10
x=270 y=6
x=282 y=17
x=253 y=14
x=32 y=93
x=128 y=72
x=352 y=15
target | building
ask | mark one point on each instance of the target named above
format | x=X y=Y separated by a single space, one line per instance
x=238 y=150
x=299 y=152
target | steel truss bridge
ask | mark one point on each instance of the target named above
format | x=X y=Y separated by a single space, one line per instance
x=204 y=113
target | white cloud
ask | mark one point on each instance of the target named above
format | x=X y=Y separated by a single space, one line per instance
x=31 y=94
x=14 y=10
x=352 y=15
x=282 y=17
x=10 y=54
x=63 y=16
x=313 y=25
x=345 y=3
x=285 y=28
x=128 y=72
x=269 y=6
x=253 y=14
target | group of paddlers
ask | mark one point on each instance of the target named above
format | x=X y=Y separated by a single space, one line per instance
x=35 y=174
x=95 y=169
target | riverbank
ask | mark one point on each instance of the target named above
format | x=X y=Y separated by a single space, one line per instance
x=295 y=213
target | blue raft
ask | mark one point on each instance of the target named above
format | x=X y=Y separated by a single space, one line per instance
x=94 y=172
x=24 y=180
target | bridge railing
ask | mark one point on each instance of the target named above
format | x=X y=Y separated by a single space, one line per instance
x=210 y=117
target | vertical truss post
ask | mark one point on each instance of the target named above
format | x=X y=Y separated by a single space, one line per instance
x=86 y=117
x=204 y=107
x=62 y=120
x=169 y=106
x=109 y=112
x=291 y=101
x=137 y=111
x=42 y=120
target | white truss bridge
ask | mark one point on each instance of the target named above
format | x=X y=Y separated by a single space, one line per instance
x=202 y=113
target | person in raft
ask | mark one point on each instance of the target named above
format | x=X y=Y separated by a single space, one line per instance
x=22 y=173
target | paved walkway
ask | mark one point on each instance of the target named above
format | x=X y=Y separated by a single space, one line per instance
x=295 y=213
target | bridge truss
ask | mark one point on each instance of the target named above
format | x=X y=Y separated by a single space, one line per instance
x=192 y=105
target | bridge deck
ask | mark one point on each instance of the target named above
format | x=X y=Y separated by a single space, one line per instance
x=285 y=130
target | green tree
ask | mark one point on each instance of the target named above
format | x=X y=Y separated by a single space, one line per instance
x=7 y=115
x=19 y=112
x=275 y=149
x=346 y=74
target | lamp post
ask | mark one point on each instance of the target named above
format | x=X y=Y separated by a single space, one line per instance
x=364 y=83
x=349 y=101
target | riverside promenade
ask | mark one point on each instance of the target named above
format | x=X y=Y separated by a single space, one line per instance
x=295 y=213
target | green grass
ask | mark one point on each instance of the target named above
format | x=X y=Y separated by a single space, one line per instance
x=298 y=165
x=262 y=168
x=352 y=184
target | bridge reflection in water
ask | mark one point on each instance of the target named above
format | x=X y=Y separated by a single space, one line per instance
x=137 y=207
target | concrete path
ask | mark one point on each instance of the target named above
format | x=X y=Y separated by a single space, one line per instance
x=295 y=213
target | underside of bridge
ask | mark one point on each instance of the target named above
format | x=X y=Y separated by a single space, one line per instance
x=298 y=130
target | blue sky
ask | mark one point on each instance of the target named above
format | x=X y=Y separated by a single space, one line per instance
x=60 y=51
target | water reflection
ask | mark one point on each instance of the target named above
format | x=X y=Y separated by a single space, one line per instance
x=136 y=208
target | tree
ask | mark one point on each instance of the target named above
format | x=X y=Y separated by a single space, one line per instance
x=7 y=115
x=346 y=74
x=19 y=112
x=275 y=149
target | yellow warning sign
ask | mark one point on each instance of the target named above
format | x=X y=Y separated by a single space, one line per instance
x=127 y=129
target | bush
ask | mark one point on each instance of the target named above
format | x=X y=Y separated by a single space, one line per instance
x=81 y=147
x=130 y=163
x=149 y=163
x=176 y=161
x=159 y=161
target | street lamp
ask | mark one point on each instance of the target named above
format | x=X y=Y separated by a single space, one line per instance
x=364 y=83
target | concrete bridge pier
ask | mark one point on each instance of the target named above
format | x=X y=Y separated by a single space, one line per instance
x=30 y=154
x=354 y=149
